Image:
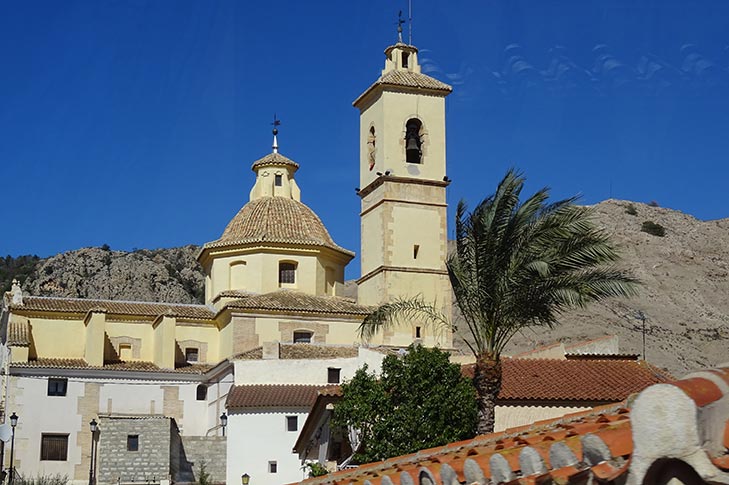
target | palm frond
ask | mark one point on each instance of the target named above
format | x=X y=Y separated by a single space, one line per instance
x=394 y=313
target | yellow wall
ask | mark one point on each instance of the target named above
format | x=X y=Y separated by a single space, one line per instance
x=57 y=338
x=207 y=333
x=141 y=330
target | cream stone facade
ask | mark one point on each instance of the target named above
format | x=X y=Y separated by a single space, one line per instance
x=159 y=374
x=402 y=185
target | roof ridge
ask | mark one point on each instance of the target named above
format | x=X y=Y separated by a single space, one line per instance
x=103 y=300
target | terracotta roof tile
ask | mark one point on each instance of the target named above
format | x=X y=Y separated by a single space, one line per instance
x=119 y=366
x=274 y=159
x=408 y=79
x=19 y=333
x=276 y=220
x=570 y=380
x=585 y=447
x=295 y=301
x=82 y=306
x=272 y=395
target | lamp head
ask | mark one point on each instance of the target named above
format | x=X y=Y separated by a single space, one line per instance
x=13 y=420
x=223 y=419
x=93 y=426
x=245 y=479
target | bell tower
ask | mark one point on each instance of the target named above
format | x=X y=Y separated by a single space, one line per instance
x=403 y=190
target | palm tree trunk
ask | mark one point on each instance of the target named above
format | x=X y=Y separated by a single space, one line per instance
x=487 y=380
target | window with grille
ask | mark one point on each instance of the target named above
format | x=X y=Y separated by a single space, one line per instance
x=287 y=273
x=57 y=387
x=54 y=447
x=191 y=354
x=302 y=337
x=132 y=442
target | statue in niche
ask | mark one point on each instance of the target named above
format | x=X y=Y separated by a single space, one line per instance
x=371 y=142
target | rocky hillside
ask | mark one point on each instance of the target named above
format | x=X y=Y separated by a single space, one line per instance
x=684 y=297
x=171 y=275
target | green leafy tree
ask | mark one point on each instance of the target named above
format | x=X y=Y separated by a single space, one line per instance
x=421 y=400
x=516 y=265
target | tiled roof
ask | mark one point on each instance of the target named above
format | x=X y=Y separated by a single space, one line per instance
x=295 y=301
x=137 y=366
x=636 y=441
x=19 y=333
x=409 y=79
x=272 y=395
x=272 y=219
x=274 y=159
x=303 y=351
x=148 y=309
x=593 y=379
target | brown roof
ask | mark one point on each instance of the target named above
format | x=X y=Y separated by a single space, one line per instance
x=295 y=301
x=595 y=446
x=272 y=395
x=142 y=366
x=274 y=159
x=574 y=380
x=272 y=219
x=148 y=309
x=19 y=333
x=408 y=79
x=303 y=351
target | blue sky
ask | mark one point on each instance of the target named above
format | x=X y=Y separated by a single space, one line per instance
x=134 y=123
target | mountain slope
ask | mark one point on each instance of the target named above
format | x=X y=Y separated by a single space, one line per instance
x=684 y=295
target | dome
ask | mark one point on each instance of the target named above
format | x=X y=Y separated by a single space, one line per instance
x=274 y=158
x=276 y=220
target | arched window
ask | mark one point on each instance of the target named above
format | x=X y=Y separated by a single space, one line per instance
x=202 y=392
x=371 y=147
x=286 y=273
x=237 y=275
x=413 y=143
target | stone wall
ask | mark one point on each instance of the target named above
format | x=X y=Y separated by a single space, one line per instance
x=150 y=463
x=192 y=451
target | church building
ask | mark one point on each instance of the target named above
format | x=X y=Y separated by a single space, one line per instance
x=126 y=392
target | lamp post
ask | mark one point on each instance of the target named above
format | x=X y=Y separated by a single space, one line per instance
x=13 y=424
x=93 y=426
x=245 y=479
x=223 y=421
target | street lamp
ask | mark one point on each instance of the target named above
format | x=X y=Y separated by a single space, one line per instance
x=223 y=421
x=245 y=479
x=13 y=423
x=93 y=426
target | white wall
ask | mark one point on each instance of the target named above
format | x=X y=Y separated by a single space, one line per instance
x=512 y=416
x=303 y=371
x=256 y=437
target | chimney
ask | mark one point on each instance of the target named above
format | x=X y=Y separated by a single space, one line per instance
x=271 y=350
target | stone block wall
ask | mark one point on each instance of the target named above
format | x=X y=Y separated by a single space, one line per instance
x=151 y=463
x=192 y=451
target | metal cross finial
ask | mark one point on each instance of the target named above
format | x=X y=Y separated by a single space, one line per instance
x=400 y=21
x=276 y=123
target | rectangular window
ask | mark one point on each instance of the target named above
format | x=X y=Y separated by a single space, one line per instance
x=57 y=386
x=287 y=273
x=302 y=337
x=292 y=423
x=416 y=250
x=417 y=332
x=278 y=180
x=191 y=354
x=132 y=442
x=54 y=447
x=333 y=375
x=272 y=467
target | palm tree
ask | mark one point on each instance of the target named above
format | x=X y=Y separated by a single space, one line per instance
x=516 y=265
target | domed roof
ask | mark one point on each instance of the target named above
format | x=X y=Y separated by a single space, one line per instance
x=274 y=158
x=276 y=220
